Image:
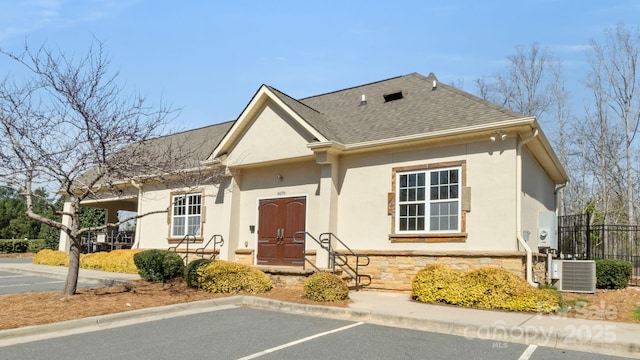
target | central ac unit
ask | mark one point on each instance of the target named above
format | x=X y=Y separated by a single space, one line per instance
x=574 y=275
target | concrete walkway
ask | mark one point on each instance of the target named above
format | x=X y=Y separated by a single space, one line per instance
x=384 y=308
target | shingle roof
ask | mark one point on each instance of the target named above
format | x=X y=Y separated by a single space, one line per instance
x=422 y=110
x=340 y=117
x=310 y=115
x=198 y=142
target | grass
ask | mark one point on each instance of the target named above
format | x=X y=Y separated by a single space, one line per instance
x=636 y=313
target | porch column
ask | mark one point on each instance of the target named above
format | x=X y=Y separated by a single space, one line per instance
x=111 y=217
x=328 y=199
x=65 y=241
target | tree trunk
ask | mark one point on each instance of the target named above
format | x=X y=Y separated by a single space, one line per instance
x=71 y=284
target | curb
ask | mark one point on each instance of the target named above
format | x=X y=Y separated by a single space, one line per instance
x=566 y=338
x=95 y=323
x=521 y=334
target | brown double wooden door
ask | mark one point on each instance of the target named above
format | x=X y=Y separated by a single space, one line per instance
x=278 y=220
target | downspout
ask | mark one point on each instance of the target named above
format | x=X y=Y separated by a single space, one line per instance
x=136 y=242
x=555 y=193
x=549 y=251
x=527 y=249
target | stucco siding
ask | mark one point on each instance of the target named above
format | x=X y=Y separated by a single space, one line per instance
x=285 y=180
x=491 y=176
x=537 y=196
x=271 y=136
x=154 y=228
x=364 y=222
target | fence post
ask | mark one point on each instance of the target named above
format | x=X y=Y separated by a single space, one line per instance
x=588 y=235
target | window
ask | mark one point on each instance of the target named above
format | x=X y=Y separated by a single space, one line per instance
x=186 y=215
x=428 y=201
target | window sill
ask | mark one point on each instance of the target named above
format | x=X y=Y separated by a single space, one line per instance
x=428 y=238
x=177 y=240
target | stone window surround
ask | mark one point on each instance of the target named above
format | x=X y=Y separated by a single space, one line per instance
x=429 y=237
x=199 y=238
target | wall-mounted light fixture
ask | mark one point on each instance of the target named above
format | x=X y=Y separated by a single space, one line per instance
x=252 y=228
x=498 y=135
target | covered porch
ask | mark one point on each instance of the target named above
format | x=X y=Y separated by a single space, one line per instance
x=112 y=237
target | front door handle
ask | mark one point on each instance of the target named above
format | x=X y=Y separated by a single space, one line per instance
x=279 y=236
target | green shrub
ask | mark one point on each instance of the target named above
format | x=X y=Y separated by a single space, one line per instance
x=190 y=271
x=323 y=286
x=488 y=287
x=37 y=245
x=20 y=246
x=6 y=246
x=158 y=265
x=231 y=278
x=52 y=243
x=636 y=313
x=14 y=246
x=51 y=257
x=613 y=274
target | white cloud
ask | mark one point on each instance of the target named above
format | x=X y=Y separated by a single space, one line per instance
x=20 y=18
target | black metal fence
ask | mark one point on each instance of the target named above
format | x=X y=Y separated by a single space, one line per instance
x=94 y=241
x=580 y=240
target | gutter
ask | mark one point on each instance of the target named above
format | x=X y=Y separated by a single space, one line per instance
x=527 y=249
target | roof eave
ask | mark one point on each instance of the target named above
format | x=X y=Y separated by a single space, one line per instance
x=441 y=134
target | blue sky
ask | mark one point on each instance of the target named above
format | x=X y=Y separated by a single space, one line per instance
x=209 y=57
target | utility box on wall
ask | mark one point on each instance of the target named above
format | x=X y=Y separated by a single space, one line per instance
x=547 y=230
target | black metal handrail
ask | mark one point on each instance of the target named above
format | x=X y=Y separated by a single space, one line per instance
x=217 y=240
x=301 y=238
x=335 y=258
x=342 y=260
x=186 y=237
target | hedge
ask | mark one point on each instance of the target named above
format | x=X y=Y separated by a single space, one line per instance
x=613 y=274
x=158 y=265
x=230 y=278
x=322 y=286
x=489 y=287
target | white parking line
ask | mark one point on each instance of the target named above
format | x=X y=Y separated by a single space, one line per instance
x=12 y=276
x=264 y=352
x=527 y=353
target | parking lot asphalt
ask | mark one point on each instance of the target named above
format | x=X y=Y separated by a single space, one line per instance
x=14 y=283
x=501 y=330
x=229 y=332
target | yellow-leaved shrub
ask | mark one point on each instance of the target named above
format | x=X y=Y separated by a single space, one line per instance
x=51 y=257
x=114 y=261
x=230 y=278
x=434 y=282
x=323 y=286
x=489 y=287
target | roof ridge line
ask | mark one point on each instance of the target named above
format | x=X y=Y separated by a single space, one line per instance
x=189 y=130
x=294 y=99
x=354 y=87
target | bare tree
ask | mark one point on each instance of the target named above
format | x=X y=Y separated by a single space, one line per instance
x=615 y=62
x=526 y=85
x=561 y=97
x=69 y=125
